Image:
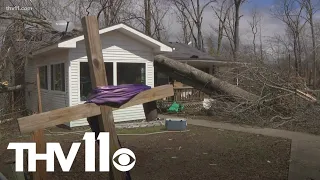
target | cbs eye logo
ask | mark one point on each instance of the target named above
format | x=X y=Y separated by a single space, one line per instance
x=126 y=159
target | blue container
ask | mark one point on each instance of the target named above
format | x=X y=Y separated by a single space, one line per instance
x=176 y=124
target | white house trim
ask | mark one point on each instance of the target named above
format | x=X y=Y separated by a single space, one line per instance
x=133 y=33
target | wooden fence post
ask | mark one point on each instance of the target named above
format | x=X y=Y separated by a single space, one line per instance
x=38 y=138
x=150 y=110
x=99 y=78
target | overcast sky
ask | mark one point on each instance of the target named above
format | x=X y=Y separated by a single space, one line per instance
x=270 y=25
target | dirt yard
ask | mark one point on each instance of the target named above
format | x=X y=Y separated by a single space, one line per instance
x=199 y=154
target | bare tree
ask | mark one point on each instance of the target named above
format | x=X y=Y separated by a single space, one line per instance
x=290 y=12
x=147 y=16
x=310 y=11
x=109 y=12
x=237 y=16
x=254 y=23
x=221 y=10
x=230 y=21
x=183 y=20
x=260 y=38
x=158 y=12
x=194 y=10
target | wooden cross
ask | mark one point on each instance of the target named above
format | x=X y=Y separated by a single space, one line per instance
x=102 y=114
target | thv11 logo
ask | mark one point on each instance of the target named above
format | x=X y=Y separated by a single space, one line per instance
x=126 y=158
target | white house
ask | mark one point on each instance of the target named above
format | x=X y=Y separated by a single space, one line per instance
x=64 y=74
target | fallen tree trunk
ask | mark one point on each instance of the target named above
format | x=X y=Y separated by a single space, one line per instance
x=200 y=80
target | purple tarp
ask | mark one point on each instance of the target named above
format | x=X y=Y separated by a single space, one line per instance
x=116 y=95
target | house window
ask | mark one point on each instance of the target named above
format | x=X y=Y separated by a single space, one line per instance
x=162 y=79
x=85 y=81
x=57 y=77
x=43 y=73
x=131 y=73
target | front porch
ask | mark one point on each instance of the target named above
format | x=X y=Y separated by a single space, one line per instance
x=186 y=94
x=191 y=98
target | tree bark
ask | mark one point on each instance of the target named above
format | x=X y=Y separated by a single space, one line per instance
x=299 y=54
x=198 y=23
x=296 y=61
x=237 y=4
x=309 y=8
x=260 y=38
x=314 y=55
x=201 y=80
x=147 y=14
x=222 y=14
x=220 y=30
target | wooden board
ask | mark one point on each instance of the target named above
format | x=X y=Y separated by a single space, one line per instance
x=99 y=78
x=64 y=115
x=150 y=95
x=38 y=138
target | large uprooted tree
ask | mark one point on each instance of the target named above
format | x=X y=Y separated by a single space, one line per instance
x=263 y=96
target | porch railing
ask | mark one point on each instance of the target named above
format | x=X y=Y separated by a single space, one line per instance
x=186 y=94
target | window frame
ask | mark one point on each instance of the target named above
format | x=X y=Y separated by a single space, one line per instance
x=52 y=77
x=145 y=70
x=112 y=63
x=115 y=72
x=46 y=77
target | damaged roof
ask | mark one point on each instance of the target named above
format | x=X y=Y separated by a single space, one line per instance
x=186 y=52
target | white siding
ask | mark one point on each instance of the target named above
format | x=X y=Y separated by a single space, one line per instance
x=116 y=47
x=50 y=99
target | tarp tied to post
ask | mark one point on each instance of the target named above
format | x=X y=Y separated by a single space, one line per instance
x=115 y=96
